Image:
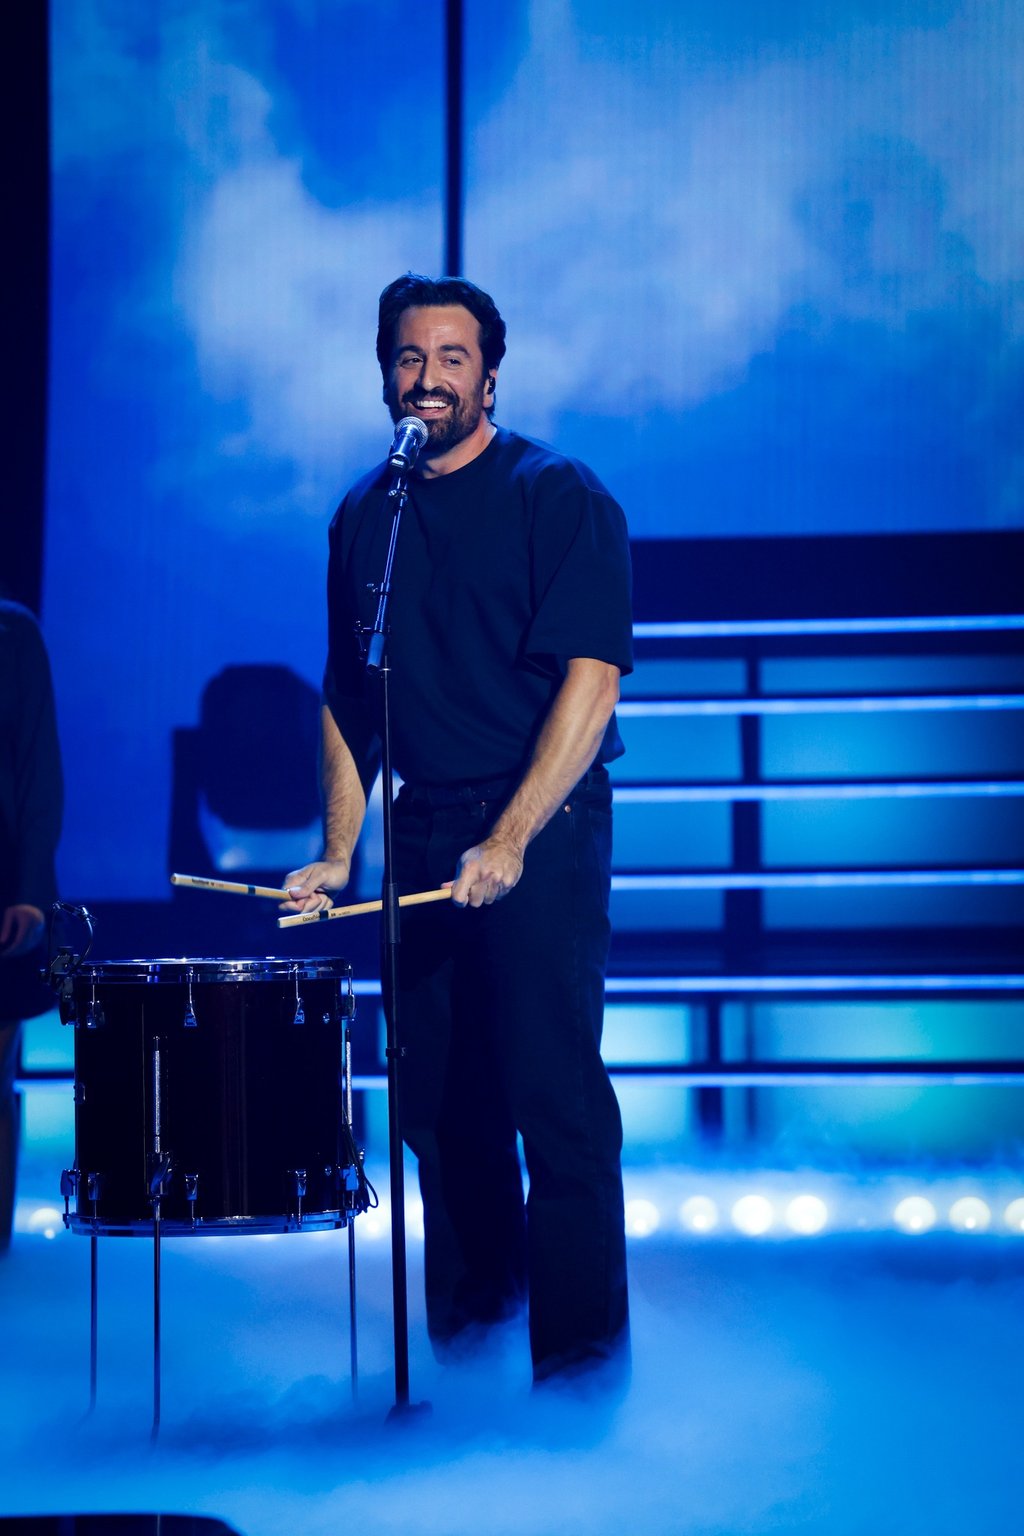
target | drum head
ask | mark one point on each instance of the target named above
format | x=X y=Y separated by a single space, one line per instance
x=208 y=968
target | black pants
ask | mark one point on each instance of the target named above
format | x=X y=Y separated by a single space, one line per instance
x=501 y=1013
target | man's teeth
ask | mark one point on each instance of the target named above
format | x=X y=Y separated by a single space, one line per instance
x=430 y=405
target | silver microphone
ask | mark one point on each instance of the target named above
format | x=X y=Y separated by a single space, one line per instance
x=410 y=435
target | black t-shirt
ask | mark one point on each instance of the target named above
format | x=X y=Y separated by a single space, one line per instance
x=504 y=570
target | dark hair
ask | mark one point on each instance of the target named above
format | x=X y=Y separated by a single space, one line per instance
x=410 y=290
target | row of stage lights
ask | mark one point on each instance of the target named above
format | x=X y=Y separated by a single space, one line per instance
x=751 y=1215
x=806 y=1215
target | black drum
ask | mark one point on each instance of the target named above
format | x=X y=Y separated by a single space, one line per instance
x=211 y=1093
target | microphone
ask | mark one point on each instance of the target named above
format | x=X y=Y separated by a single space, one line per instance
x=410 y=435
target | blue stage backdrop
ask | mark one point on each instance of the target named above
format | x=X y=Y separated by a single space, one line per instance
x=760 y=262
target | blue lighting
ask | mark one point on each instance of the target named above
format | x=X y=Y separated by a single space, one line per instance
x=673 y=985
x=671 y=794
x=817 y=879
x=818 y=706
x=666 y=986
x=951 y=623
x=684 y=1077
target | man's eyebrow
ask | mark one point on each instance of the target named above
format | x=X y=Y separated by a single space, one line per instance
x=451 y=346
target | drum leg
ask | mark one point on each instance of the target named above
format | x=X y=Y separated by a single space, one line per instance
x=353 y=1348
x=157 y=1184
x=156 y=1325
x=93 y=1315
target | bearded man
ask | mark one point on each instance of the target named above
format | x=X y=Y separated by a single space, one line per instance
x=509 y=629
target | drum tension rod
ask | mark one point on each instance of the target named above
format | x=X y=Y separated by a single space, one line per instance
x=68 y=1188
x=299 y=1175
x=160 y=1177
x=190 y=1021
x=192 y=1193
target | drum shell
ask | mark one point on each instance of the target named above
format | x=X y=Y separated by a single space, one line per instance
x=250 y=1100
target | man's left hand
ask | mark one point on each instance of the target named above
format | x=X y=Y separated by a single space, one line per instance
x=486 y=873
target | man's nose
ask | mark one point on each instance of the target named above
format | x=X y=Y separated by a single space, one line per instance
x=429 y=374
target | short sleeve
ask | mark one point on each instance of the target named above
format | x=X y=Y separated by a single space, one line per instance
x=581 y=572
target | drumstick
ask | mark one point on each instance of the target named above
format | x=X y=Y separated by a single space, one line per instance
x=363 y=906
x=232 y=887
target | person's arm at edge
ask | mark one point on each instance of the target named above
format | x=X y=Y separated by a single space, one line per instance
x=38 y=791
x=566 y=747
x=344 y=806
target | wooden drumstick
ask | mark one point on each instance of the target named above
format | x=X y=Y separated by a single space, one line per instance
x=232 y=887
x=416 y=900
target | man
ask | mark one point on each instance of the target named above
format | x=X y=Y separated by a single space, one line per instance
x=31 y=801
x=509 y=629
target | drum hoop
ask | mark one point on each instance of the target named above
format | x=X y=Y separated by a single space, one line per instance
x=210 y=969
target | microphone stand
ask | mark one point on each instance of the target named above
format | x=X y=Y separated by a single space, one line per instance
x=377 y=667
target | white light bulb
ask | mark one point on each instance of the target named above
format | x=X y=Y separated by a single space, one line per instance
x=753 y=1215
x=969 y=1214
x=806 y=1214
x=915 y=1214
x=45 y=1221
x=699 y=1214
x=642 y=1218
x=1014 y=1215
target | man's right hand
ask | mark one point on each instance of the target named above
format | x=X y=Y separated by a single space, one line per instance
x=310 y=887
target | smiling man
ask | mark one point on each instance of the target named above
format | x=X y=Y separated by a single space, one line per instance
x=439 y=374
x=509 y=629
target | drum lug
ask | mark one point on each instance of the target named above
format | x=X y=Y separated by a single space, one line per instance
x=93 y=1189
x=192 y=1193
x=350 y=1184
x=79 y=1093
x=190 y=1021
x=69 y=1190
x=300 y=1012
x=299 y=1175
x=95 y=1018
x=160 y=1177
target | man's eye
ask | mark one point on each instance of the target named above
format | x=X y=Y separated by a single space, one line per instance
x=408 y=362
x=454 y=362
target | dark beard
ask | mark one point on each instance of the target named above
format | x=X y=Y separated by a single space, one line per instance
x=461 y=421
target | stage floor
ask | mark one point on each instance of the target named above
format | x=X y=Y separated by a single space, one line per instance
x=836 y=1385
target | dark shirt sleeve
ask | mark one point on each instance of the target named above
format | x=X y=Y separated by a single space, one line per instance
x=34 y=788
x=345 y=689
x=581 y=573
